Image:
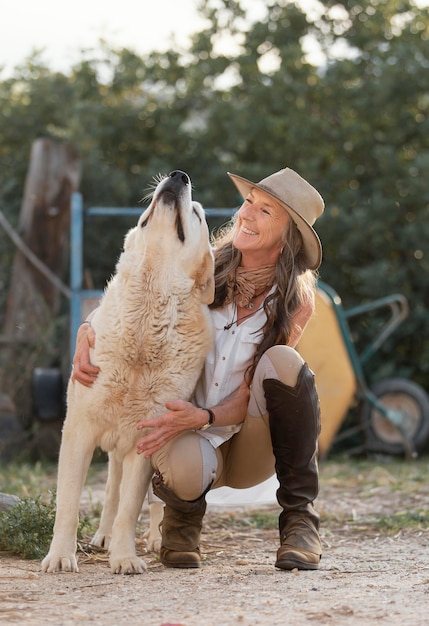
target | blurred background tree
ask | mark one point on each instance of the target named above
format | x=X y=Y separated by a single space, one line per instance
x=339 y=93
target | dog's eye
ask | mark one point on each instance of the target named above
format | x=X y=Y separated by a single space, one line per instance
x=144 y=223
x=197 y=214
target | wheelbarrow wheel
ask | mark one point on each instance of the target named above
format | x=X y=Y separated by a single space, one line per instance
x=405 y=397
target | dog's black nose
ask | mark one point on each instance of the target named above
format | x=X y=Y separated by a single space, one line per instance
x=179 y=174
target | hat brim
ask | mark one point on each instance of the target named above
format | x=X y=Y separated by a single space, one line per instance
x=311 y=242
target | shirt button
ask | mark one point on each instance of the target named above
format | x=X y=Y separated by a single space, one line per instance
x=223 y=358
x=216 y=384
x=233 y=332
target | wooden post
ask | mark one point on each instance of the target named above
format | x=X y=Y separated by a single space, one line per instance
x=34 y=301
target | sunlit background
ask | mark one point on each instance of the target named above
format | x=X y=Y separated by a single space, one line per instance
x=339 y=93
x=61 y=32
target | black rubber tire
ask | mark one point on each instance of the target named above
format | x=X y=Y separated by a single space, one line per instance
x=402 y=395
x=48 y=394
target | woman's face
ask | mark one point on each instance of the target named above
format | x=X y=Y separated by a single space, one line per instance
x=262 y=225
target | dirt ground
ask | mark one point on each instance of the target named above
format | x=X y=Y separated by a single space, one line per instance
x=366 y=575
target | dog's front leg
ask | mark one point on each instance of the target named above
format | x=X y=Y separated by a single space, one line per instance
x=111 y=501
x=136 y=475
x=74 y=460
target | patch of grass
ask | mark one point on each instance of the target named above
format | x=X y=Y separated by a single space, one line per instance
x=28 y=480
x=258 y=519
x=264 y=521
x=404 y=520
x=397 y=474
x=364 y=479
x=33 y=479
x=26 y=528
x=391 y=525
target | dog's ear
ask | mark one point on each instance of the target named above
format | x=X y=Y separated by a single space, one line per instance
x=205 y=278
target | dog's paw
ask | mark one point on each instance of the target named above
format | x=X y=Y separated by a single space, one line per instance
x=54 y=563
x=127 y=565
x=153 y=541
x=101 y=540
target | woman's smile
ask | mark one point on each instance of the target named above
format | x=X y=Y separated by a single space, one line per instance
x=247 y=231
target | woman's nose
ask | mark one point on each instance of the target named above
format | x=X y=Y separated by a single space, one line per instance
x=245 y=211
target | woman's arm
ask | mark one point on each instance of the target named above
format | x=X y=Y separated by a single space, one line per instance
x=83 y=371
x=300 y=321
x=182 y=415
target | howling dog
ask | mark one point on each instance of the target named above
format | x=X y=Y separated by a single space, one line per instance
x=153 y=332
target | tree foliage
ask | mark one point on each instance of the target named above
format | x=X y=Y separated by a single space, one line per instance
x=355 y=124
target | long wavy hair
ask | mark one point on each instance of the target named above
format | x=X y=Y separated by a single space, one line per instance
x=295 y=284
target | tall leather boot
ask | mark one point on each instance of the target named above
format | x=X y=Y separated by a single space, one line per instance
x=181 y=527
x=294 y=418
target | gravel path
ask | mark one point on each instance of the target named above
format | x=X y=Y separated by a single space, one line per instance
x=367 y=575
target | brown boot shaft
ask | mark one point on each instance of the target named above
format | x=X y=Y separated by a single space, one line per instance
x=294 y=418
x=181 y=527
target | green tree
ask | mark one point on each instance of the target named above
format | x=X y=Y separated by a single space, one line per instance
x=355 y=124
x=376 y=104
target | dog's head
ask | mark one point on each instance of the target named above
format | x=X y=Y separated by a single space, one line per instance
x=174 y=225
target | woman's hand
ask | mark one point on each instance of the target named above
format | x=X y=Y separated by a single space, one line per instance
x=83 y=371
x=180 y=416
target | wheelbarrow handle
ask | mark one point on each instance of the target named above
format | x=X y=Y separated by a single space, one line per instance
x=399 y=309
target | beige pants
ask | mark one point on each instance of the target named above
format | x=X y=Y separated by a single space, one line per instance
x=189 y=463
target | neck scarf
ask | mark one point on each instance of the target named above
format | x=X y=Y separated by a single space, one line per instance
x=248 y=283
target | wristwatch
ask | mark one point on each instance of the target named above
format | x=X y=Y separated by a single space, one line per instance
x=211 y=419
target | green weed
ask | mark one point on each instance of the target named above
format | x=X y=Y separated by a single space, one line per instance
x=26 y=528
x=28 y=479
x=257 y=519
x=415 y=520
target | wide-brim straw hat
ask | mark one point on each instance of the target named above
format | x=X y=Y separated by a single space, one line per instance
x=300 y=199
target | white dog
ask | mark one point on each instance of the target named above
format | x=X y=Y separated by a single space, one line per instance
x=153 y=332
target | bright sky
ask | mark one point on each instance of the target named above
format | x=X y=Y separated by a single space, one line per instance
x=63 y=29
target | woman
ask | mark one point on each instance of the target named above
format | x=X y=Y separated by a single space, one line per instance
x=261 y=410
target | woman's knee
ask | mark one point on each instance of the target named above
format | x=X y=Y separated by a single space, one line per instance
x=287 y=363
x=188 y=465
x=279 y=362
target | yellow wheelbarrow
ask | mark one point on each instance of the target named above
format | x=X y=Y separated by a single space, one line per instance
x=394 y=412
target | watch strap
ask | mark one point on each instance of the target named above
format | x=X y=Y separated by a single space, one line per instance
x=210 y=421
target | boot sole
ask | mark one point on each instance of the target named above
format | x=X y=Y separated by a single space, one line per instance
x=179 y=565
x=289 y=564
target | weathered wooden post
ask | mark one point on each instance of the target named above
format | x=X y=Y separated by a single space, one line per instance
x=34 y=301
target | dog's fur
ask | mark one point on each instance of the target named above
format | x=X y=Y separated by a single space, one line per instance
x=153 y=332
